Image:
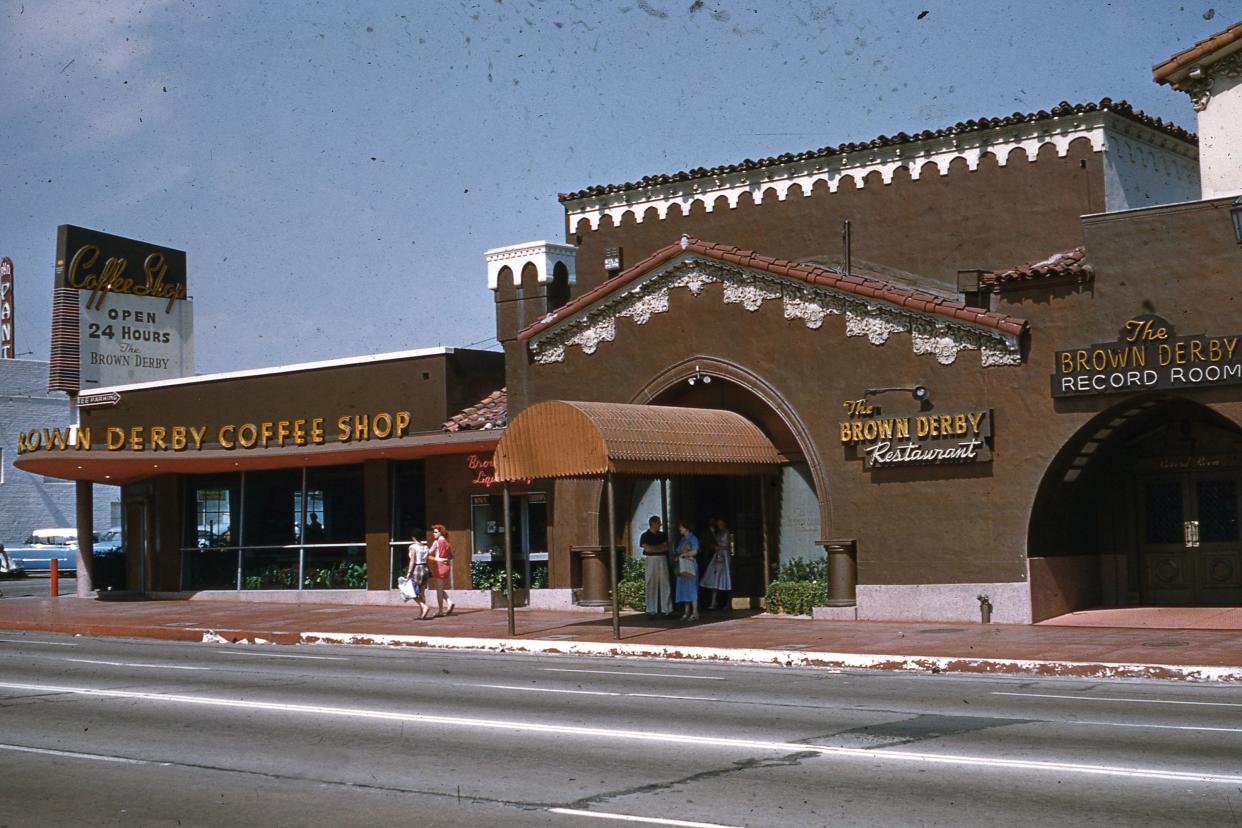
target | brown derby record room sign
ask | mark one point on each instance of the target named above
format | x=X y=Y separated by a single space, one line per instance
x=1148 y=356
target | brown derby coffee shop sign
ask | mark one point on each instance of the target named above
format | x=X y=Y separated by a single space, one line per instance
x=1148 y=356
x=917 y=439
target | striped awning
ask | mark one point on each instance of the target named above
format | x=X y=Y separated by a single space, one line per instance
x=559 y=438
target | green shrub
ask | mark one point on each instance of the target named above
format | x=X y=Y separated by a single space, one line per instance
x=632 y=588
x=796 y=597
x=491 y=576
x=803 y=570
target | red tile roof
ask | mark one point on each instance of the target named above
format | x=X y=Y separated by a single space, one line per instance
x=1162 y=72
x=1062 y=109
x=861 y=286
x=490 y=412
x=1065 y=264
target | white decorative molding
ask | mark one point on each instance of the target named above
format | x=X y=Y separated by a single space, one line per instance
x=1200 y=88
x=544 y=255
x=834 y=170
x=875 y=319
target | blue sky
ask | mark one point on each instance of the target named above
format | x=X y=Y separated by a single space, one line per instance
x=336 y=170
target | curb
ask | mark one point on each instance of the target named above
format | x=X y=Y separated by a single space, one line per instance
x=717 y=655
x=787 y=658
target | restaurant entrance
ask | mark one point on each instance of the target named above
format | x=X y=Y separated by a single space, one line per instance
x=702 y=500
x=1189 y=546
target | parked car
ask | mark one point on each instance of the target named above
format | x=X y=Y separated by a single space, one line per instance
x=109 y=542
x=42 y=547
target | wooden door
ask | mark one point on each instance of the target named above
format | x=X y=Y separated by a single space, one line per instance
x=1189 y=540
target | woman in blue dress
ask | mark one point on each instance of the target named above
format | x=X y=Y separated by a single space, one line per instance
x=687 y=573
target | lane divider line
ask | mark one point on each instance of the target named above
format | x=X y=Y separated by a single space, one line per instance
x=74 y=755
x=134 y=664
x=263 y=654
x=679 y=739
x=1116 y=699
x=44 y=643
x=630 y=818
x=632 y=673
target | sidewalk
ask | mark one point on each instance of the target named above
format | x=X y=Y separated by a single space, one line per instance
x=1082 y=651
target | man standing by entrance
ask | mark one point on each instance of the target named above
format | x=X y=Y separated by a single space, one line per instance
x=654 y=544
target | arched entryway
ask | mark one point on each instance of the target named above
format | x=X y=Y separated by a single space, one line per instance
x=773 y=519
x=1141 y=507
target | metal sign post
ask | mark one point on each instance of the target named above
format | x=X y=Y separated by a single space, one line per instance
x=611 y=546
x=509 y=562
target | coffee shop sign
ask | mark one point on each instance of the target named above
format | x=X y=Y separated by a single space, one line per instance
x=310 y=431
x=1148 y=356
x=917 y=439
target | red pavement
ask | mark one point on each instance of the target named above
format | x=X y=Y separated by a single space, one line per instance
x=284 y=623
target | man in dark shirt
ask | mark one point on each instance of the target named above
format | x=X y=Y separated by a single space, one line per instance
x=654 y=544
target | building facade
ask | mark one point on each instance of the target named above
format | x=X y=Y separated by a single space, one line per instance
x=30 y=501
x=995 y=360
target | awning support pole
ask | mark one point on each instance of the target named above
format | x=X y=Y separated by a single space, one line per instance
x=611 y=546
x=664 y=504
x=509 y=563
x=763 y=528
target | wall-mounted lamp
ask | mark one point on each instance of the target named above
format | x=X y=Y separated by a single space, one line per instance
x=1235 y=213
x=699 y=376
x=919 y=392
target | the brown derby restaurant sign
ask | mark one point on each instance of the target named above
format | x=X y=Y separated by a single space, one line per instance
x=1148 y=356
x=310 y=431
x=917 y=439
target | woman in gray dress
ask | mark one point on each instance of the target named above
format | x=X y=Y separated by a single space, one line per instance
x=717 y=576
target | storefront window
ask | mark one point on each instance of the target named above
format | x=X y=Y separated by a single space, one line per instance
x=528 y=519
x=409 y=511
x=334 y=537
x=209 y=545
x=285 y=529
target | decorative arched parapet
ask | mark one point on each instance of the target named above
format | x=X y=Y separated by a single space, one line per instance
x=943 y=336
x=969 y=142
x=543 y=256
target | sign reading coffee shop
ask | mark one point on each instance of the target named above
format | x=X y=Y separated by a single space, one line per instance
x=1148 y=356
x=917 y=439
x=181 y=437
x=121 y=312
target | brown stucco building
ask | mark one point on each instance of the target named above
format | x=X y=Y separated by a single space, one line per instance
x=1015 y=375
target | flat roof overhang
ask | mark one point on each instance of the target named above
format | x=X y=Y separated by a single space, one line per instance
x=120 y=467
x=559 y=438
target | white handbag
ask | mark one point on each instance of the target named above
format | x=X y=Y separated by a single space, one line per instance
x=407 y=588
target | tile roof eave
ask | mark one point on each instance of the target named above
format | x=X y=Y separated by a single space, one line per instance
x=1121 y=108
x=866 y=288
x=1168 y=71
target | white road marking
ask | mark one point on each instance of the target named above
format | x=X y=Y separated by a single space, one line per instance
x=631 y=673
x=628 y=818
x=1154 y=726
x=682 y=740
x=1117 y=699
x=548 y=690
x=71 y=755
x=594 y=692
x=134 y=664
x=280 y=655
x=31 y=641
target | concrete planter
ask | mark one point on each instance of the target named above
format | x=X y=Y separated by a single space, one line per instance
x=501 y=601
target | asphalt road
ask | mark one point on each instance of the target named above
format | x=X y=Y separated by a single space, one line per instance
x=111 y=732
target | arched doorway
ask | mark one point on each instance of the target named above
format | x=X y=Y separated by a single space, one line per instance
x=1141 y=507
x=772 y=519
